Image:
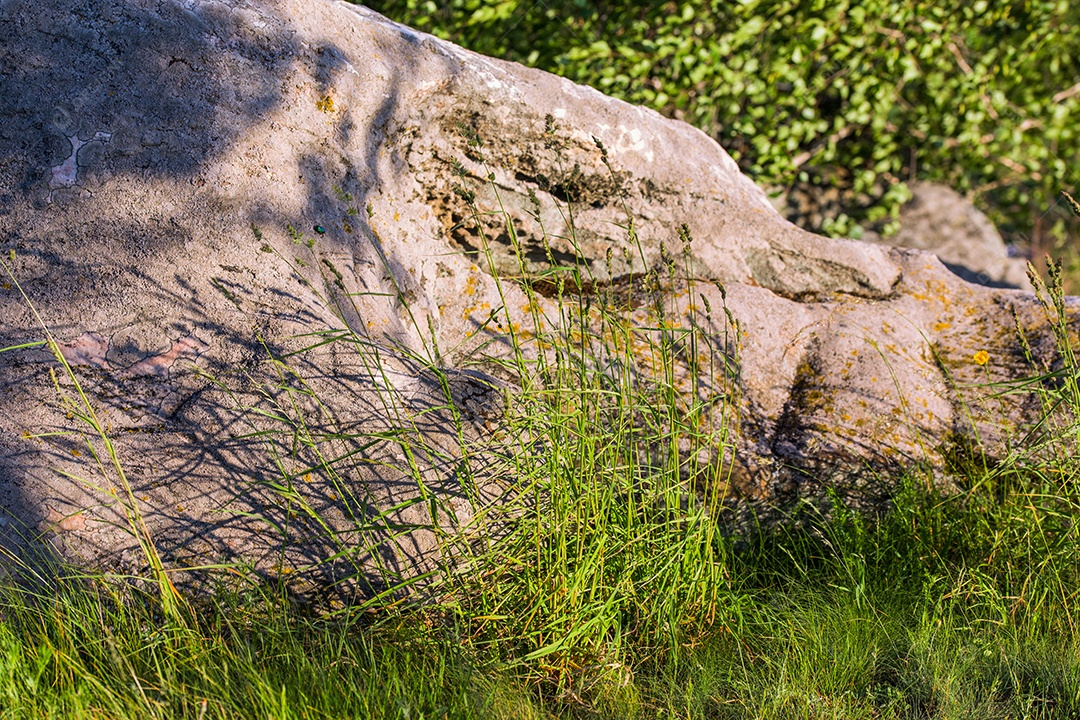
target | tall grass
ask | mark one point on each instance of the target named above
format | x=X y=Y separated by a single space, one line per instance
x=599 y=583
x=616 y=544
x=82 y=654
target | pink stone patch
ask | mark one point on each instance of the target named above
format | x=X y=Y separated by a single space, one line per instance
x=58 y=521
x=89 y=349
x=65 y=174
x=187 y=348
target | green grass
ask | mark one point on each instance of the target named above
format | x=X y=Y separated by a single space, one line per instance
x=84 y=654
x=943 y=608
x=613 y=589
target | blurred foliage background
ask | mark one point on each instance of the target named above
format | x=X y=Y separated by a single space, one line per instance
x=856 y=96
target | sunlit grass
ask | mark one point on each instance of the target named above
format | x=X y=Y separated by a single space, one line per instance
x=941 y=608
x=612 y=590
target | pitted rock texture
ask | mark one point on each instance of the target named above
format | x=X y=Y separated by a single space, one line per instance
x=245 y=224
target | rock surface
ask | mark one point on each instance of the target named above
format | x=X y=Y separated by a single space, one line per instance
x=940 y=220
x=198 y=196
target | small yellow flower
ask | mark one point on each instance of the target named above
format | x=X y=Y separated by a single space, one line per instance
x=981 y=358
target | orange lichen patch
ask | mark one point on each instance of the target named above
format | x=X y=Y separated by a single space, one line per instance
x=473 y=308
x=939 y=326
x=326 y=104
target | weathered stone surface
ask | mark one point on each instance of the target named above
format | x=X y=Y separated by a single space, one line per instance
x=191 y=188
x=940 y=220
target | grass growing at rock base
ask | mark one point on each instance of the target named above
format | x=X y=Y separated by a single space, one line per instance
x=942 y=608
x=612 y=591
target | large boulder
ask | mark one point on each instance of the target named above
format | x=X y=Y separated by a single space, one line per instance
x=935 y=218
x=269 y=238
x=942 y=221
